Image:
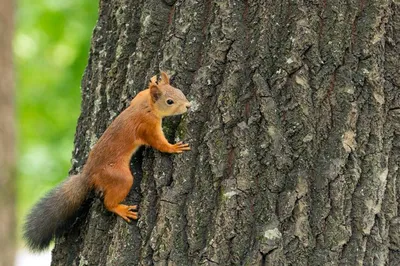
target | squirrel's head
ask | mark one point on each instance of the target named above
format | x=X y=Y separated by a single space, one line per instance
x=167 y=100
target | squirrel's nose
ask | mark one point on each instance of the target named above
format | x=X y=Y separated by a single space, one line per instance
x=188 y=105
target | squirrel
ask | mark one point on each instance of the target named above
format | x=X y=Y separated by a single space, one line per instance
x=107 y=167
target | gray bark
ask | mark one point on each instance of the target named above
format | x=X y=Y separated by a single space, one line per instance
x=7 y=154
x=294 y=134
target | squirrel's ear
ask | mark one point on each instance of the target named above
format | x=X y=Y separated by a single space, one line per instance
x=155 y=92
x=164 y=78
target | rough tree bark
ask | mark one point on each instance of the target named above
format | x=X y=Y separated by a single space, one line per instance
x=7 y=159
x=294 y=134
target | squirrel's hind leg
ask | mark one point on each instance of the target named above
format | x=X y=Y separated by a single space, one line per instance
x=115 y=192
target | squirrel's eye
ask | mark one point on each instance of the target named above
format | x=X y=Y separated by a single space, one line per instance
x=169 y=101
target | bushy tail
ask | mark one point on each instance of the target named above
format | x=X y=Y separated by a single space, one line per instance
x=53 y=211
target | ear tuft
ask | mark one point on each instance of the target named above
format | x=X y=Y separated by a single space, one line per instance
x=153 y=79
x=164 y=78
x=155 y=92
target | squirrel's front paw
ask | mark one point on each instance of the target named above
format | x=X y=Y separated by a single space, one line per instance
x=180 y=147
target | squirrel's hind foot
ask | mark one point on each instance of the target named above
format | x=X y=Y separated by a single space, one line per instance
x=126 y=212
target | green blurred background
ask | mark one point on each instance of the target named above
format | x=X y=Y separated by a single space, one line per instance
x=51 y=47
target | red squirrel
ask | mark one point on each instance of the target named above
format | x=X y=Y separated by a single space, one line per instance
x=107 y=167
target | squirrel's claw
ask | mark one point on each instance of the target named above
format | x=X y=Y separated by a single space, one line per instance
x=181 y=147
x=132 y=215
x=126 y=212
x=132 y=212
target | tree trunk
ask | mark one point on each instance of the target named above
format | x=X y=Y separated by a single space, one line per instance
x=294 y=130
x=7 y=160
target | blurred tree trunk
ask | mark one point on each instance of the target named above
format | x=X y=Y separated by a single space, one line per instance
x=295 y=134
x=7 y=160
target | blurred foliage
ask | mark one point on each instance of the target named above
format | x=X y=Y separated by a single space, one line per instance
x=51 y=48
